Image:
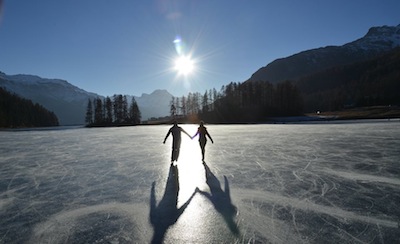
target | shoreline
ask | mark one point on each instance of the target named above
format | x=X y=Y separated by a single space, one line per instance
x=353 y=115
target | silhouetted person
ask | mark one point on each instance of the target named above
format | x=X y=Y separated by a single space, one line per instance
x=203 y=133
x=176 y=140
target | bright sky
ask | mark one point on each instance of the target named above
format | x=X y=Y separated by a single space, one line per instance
x=130 y=47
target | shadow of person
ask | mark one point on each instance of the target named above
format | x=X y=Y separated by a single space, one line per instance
x=166 y=213
x=221 y=199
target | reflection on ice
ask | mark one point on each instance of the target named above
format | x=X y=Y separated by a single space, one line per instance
x=262 y=183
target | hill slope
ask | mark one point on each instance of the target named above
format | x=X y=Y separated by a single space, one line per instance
x=69 y=102
x=369 y=83
x=378 y=40
x=19 y=112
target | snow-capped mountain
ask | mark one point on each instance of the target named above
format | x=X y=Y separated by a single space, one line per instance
x=380 y=39
x=69 y=102
x=377 y=41
x=26 y=84
x=153 y=105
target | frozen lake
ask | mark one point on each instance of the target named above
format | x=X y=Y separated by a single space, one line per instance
x=304 y=183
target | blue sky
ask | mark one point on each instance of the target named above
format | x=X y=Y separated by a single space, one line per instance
x=127 y=46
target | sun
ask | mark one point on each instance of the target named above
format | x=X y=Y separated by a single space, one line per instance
x=184 y=65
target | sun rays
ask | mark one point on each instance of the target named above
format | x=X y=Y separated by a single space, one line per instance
x=184 y=65
x=186 y=61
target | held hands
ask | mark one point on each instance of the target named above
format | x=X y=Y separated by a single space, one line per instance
x=191 y=137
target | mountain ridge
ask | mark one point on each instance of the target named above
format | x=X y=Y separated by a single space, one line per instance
x=69 y=102
x=377 y=41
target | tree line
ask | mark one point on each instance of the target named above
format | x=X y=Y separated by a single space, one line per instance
x=251 y=101
x=20 y=112
x=113 y=111
x=374 y=82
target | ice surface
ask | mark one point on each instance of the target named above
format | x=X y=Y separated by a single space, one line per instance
x=305 y=183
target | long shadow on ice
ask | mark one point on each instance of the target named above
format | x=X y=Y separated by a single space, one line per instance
x=166 y=213
x=221 y=199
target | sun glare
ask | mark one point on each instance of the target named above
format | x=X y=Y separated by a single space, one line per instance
x=184 y=65
x=191 y=169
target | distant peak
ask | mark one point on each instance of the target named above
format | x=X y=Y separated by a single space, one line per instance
x=25 y=78
x=159 y=91
x=385 y=30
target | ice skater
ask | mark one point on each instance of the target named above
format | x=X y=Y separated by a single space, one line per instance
x=176 y=140
x=203 y=133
